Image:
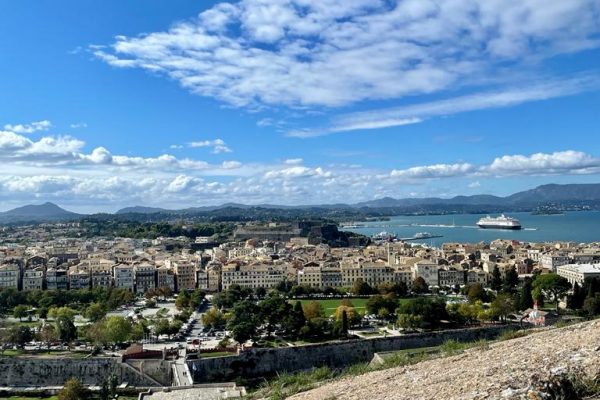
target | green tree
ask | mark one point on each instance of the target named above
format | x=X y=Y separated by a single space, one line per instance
x=65 y=329
x=430 y=311
x=502 y=306
x=62 y=312
x=244 y=321
x=313 y=310
x=47 y=334
x=419 y=285
x=352 y=316
x=552 y=286
x=476 y=292
x=273 y=310
x=293 y=322
x=525 y=299
x=20 y=335
x=344 y=322
x=409 y=321
x=496 y=282
x=511 y=280
x=379 y=302
x=591 y=305
x=20 y=312
x=95 y=312
x=361 y=288
x=398 y=289
x=161 y=327
x=196 y=298
x=183 y=300
x=214 y=318
x=73 y=390
x=118 y=329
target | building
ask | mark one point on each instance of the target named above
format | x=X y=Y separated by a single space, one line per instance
x=9 y=276
x=79 y=279
x=145 y=277
x=253 y=276
x=578 y=273
x=57 y=279
x=33 y=278
x=426 y=270
x=101 y=278
x=185 y=275
x=202 y=278
x=124 y=277
x=451 y=277
x=165 y=277
x=552 y=261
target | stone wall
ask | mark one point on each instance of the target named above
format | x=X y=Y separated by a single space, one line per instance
x=264 y=362
x=42 y=371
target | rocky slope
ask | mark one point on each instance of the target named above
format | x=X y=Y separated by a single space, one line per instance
x=523 y=368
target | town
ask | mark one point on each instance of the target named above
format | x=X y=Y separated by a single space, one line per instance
x=185 y=299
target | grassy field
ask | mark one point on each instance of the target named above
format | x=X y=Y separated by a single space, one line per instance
x=44 y=353
x=330 y=305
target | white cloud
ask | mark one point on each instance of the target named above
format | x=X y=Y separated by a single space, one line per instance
x=29 y=128
x=474 y=185
x=60 y=169
x=218 y=145
x=568 y=162
x=78 y=125
x=545 y=164
x=412 y=114
x=434 y=171
x=297 y=52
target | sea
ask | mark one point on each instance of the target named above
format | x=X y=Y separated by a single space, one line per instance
x=575 y=226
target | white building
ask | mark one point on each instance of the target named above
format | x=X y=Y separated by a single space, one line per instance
x=124 y=277
x=578 y=272
x=552 y=261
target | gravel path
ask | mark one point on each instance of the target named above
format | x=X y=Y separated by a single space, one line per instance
x=504 y=370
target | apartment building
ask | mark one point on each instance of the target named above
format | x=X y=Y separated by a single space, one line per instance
x=124 y=277
x=165 y=277
x=9 y=276
x=145 y=277
x=451 y=276
x=552 y=261
x=57 y=279
x=253 y=276
x=79 y=279
x=185 y=275
x=33 y=278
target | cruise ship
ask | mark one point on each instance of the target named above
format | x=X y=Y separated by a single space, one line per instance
x=501 y=222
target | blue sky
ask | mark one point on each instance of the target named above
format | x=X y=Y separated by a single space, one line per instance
x=187 y=103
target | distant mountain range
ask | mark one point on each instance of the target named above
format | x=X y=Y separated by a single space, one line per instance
x=38 y=213
x=563 y=195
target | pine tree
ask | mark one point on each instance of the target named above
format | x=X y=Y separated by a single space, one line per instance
x=344 y=324
x=525 y=300
x=496 y=283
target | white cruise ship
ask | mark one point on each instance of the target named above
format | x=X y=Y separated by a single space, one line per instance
x=501 y=222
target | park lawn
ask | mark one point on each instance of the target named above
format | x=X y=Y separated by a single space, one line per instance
x=330 y=305
x=43 y=353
